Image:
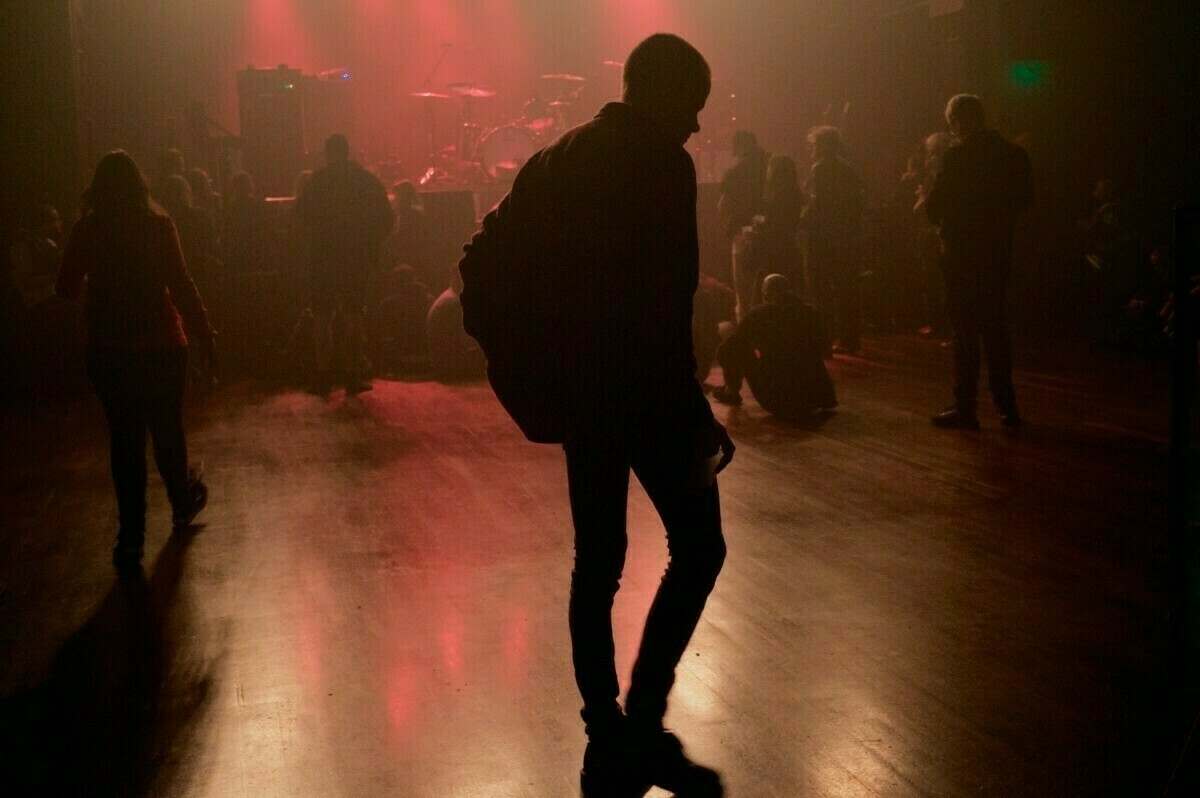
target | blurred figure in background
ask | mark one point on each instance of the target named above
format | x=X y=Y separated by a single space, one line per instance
x=35 y=255
x=984 y=182
x=399 y=341
x=833 y=220
x=714 y=315
x=739 y=201
x=783 y=202
x=196 y=235
x=137 y=289
x=1112 y=250
x=454 y=355
x=929 y=243
x=169 y=163
x=777 y=349
x=345 y=211
x=409 y=241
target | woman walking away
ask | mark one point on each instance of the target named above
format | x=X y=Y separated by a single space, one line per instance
x=127 y=253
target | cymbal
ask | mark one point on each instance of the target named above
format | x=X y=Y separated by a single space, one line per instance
x=572 y=78
x=430 y=95
x=558 y=104
x=615 y=63
x=470 y=90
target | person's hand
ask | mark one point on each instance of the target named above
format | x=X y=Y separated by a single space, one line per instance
x=206 y=348
x=726 y=446
x=713 y=439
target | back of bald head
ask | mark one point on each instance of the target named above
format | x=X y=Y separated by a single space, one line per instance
x=662 y=66
x=774 y=286
x=967 y=110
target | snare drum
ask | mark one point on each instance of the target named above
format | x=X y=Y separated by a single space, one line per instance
x=504 y=150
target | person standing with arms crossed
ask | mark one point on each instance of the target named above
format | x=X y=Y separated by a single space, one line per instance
x=579 y=290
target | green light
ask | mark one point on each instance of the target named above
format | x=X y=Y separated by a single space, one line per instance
x=1028 y=73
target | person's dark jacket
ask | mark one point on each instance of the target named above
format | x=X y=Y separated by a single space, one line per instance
x=347 y=214
x=579 y=285
x=780 y=344
x=741 y=190
x=138 y=286
x=836 y=202
x=983 y=184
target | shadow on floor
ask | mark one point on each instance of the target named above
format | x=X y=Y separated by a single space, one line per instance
x=120 y=704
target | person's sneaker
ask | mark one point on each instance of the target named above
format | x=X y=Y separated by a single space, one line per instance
x=725 y=396
x=667 y=766
x=956 y=418
x=197 y=499
x=612 y=768
x=1010 y=417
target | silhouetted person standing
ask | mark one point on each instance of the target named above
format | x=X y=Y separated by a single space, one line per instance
x=137 y=289
x=741 y=198
x=579 y=290
x=777 y=349
x=833 y=219
x=346 y=212
x=983 y=183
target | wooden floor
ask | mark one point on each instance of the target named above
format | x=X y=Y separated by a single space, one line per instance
x=376 y=602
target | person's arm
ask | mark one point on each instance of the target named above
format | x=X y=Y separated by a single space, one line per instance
x=383 y=217
x=944 y=187
x=76 y=262
x=817 y=190
x=184 y=295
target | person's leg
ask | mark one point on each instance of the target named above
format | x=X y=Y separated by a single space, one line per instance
x=731 y=355
x=849 y=299
x=324 y=302
x=116 y=386
x=962 y=311
x=743 y=269
x=352 y=301
x=686 y=498
x=165 y=377
x=664 y=461
x=998 y=348
x=598 y=485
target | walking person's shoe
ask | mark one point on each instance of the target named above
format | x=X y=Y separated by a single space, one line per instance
x=955 y=417
x=667 y=766
x=197 y=496
x=1009 y=417
x=613 y=768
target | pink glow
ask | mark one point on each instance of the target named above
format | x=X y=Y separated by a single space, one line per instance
x=402 y=692
x=274 y=34
x=516 y=646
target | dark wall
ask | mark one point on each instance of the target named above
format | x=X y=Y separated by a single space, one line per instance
x=39 y=132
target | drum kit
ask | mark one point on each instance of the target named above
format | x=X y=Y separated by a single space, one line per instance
x=494 y=154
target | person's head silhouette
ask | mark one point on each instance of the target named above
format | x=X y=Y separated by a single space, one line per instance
x=337 y=149
x=774 y=286
x=117 y=184
x=668 y=80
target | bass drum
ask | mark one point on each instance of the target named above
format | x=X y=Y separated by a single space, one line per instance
x=504 y=150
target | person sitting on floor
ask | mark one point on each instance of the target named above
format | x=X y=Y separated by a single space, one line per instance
x=777 y=350
x=397 y=324
x=455 y=356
